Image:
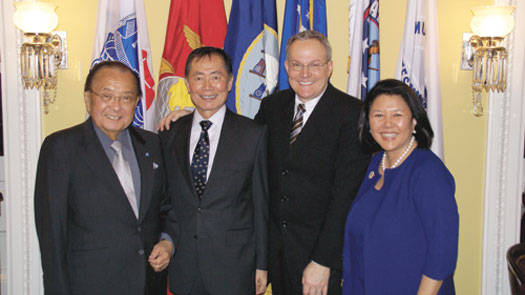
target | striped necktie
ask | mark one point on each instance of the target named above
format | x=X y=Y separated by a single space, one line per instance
x=297 y=123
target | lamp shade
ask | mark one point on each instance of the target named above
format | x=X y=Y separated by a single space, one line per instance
x=492 y=21
x=35 y=17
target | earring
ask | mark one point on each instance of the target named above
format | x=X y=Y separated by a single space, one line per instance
x=414 y=131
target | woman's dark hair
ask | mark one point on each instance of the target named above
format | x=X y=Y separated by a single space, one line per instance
x=424 y=133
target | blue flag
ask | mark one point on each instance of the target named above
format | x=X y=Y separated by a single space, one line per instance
x=300 y=15
x=364 y=47
x=251 y=41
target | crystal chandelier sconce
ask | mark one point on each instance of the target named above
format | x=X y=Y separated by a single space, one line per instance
x=488 y=58
x=43 y=51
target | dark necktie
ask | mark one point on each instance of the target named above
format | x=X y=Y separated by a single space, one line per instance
x=297 y=123
x=199 y=164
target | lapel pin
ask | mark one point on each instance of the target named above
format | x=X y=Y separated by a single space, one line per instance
x=371 y=174
x=147 y=154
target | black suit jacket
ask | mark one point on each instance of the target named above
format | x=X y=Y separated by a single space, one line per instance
x=312 y=183
x=223 y=237
x=90 y=240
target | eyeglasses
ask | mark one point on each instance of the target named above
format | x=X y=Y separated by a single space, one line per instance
x=313 y=67
x=108 y=97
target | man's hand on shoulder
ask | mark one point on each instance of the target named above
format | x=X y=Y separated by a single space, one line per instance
x=173 y=116
x=315 y=279
x=160 y=255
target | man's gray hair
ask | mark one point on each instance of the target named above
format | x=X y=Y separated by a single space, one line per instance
x=309 y=35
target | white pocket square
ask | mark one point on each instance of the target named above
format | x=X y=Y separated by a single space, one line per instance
x=155 y=165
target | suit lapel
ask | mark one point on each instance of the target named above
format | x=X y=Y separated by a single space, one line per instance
x=285 y=121
x=223 y=153
x=146 y=170
x=321 y=110
x=182 y=150
x=96 y=159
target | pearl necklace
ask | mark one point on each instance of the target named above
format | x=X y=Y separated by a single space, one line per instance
x=398 y=161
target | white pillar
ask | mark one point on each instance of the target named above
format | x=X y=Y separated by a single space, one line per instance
x=504 y=164
x=22 y=139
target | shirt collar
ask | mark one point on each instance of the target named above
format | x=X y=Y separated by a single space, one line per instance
x=310 y=104
x=106 y=141
x=216 y=119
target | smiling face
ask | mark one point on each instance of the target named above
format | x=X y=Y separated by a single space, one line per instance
x=312 y=79
x=391 y=124
x=208 y=83
x=112 y=116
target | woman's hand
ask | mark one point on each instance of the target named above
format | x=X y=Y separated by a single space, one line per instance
x=428 y=286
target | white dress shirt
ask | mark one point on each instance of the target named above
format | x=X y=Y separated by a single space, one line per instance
x=309 y=106
x=214 y=133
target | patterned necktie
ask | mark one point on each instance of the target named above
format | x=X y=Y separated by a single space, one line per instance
x=297 y=123
x=199 y=164
x=121 y=167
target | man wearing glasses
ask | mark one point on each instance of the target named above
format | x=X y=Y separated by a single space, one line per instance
x=98 y=196
x=315 y=168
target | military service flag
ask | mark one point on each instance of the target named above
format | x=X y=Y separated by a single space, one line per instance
x=364 y=47
x=418 y=62
x=122 y=35
x=191 y=24
x=252 y=43
x=300 y=15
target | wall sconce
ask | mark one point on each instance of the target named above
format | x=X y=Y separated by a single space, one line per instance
x=486 y=55
x=43 y=51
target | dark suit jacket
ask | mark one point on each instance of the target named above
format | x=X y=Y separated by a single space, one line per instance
x=312 y=183
x=223 y=237
x=90 y=240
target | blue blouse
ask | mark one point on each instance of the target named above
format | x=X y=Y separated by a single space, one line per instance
x=407 y=229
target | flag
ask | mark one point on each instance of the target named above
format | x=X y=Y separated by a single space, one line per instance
x=122 y=35
x=364 y=47
x=251 y=42
x=191 y=24
x=418 y=62
x=300 y=15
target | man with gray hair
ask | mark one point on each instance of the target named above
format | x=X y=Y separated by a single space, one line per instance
x=217 y=187
x=315 y=168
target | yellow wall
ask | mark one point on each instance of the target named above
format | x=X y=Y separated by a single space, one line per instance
x=464 y=135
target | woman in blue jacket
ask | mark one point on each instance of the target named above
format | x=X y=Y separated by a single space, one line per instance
x=401 y=233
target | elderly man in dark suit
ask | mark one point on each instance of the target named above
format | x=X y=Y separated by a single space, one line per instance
x=315 y=168
x=217 y=183
x=98 y=196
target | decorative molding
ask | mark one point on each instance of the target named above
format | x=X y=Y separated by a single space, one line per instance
x=22 y=138
x=504 y=164
x=22 y=108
